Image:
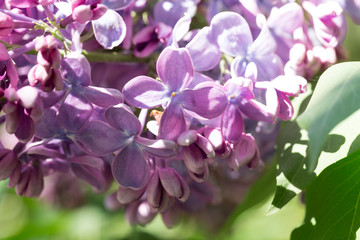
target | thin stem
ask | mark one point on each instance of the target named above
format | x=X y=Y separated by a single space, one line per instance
x=113 y=57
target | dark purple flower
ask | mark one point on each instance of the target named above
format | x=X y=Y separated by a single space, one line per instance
x=130 y=166
x=147 y=39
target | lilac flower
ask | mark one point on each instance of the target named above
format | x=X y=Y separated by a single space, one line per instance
x=253 y=59
x=129 y=167
x=239 y=91
x=80 y=98
x=175 y=69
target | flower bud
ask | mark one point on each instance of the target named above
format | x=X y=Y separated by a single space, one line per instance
x=128 y=195
x=15 y=175
x=156 y=196
x=139 y=213
x=174 y=184
x=243 y=152
x=8 y=163
x=194 y=159
x=187 y=137
x=31 y=182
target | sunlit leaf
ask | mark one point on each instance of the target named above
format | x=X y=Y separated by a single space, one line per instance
x=332 y=202
x=334 y=99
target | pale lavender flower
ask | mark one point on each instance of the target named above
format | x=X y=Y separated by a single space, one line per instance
x=175 y=70
x=253 y=59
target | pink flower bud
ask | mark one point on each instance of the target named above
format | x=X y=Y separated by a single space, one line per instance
x=84 y=13
x=38 y=73
x=46 y=42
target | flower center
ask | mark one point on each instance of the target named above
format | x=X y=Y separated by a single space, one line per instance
x=173 y=94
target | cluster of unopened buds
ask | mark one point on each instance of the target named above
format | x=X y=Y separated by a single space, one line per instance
x=177 y=101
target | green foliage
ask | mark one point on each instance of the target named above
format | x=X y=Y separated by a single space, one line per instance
x=332 y=202
x=334 y=99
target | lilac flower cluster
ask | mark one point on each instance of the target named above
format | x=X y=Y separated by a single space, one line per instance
x=124 y=90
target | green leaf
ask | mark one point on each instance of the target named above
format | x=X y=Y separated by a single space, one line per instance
x=333 y=202
x=292 y=176
x=334 y=99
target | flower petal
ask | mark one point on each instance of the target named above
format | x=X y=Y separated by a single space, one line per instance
x=172 y=122
x=103 y=97
x=280 y=19
x=257 y=111
x=75 y=71
x=231 y=32
x=145 y=92
x=290 y=85
x=157 y=147
x=232 y=124
x=122 y=118
x=175 y=68
x=118 y=4
x=74 y=112
x=110 y=21
x=204 y=54
x=130 y=168
x=100 y=138
x=174 y=184
x=208 y=102
x=4 y=55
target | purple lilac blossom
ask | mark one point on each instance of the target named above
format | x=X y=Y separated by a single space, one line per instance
x=175 y=69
